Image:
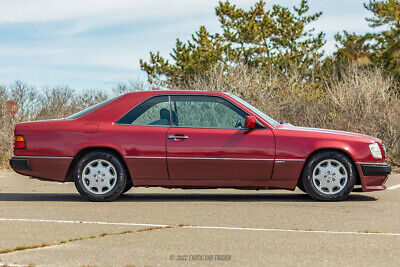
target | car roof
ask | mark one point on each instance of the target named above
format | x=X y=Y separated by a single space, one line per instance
x=125 y=102
x=170 y=92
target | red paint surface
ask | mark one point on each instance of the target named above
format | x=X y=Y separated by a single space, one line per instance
x=217 y=154
x=48 y=168
x=260 y=158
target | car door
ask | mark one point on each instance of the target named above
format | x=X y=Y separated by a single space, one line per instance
x=142 y=133
x=207 y=141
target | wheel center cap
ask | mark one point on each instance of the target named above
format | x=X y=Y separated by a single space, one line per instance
x=330 y=176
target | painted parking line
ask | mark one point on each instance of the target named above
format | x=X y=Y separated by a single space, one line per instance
x=394 y=187
x=83 y=222
x=207 y=227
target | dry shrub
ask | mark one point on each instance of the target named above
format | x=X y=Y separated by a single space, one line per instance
x=364 y=101
x=6 y=128
x=61 y=102
x=132 y=86
x=360 y=100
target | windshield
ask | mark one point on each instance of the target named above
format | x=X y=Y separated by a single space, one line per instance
x=254 y=109
x=90 y=109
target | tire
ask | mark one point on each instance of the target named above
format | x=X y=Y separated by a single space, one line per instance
x=127 y=188
x=301 y=187
x=100 y=176
x=329 y=176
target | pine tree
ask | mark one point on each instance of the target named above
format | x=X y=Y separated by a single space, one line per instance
x=276 y=37
x=379 y=48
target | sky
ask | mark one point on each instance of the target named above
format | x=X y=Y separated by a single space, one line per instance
x=96 y=44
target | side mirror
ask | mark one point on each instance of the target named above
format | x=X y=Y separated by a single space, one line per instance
x=250 y=122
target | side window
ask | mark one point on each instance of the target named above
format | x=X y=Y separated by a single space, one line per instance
x=154 y=111
x=206 y=112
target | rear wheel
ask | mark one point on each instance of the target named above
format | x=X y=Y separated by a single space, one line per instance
x=329 y=176
x=100 y=176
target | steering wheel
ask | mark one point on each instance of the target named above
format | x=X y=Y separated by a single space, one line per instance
x=239 y=124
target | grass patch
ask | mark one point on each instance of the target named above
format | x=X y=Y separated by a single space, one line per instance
x=22 y=248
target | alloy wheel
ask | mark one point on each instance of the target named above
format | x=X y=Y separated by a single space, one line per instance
x=330 y=176
x=99 y=176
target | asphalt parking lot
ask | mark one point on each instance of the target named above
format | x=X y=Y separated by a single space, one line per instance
x=47 y=223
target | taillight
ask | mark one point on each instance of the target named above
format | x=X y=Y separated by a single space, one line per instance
x=19 y=142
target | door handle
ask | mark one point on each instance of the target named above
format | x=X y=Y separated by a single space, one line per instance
x=177 y=137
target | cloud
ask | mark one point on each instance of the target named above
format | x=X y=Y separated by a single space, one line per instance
x=78 y=16
x=22 y=51
x=331 y=24
x=28 y=11
x=23 y=11
x=91 y=43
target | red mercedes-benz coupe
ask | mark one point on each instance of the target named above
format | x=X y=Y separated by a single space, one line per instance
x=194 y=139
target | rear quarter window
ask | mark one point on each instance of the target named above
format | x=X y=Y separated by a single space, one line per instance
x=90 y=109
x=153 y=111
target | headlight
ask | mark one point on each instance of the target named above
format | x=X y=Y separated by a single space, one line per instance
x=375 y=150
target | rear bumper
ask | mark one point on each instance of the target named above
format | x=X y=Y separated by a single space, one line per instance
x=20 y=164
x=44 y=167
x=373 y=175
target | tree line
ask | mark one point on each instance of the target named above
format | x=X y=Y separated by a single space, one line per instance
x=280 y=38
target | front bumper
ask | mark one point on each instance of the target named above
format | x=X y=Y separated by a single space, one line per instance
x=375 y=170
x=373 y=175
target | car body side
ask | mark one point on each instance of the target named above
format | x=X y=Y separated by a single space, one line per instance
x=54 y=146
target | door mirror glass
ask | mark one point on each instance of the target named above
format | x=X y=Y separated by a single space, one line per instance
x=250 y=122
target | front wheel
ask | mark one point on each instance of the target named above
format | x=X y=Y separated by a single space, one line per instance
x=100 y=176
x=329 y=176
x=127 y=188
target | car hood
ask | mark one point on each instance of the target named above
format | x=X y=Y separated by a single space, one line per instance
x=287 y=126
